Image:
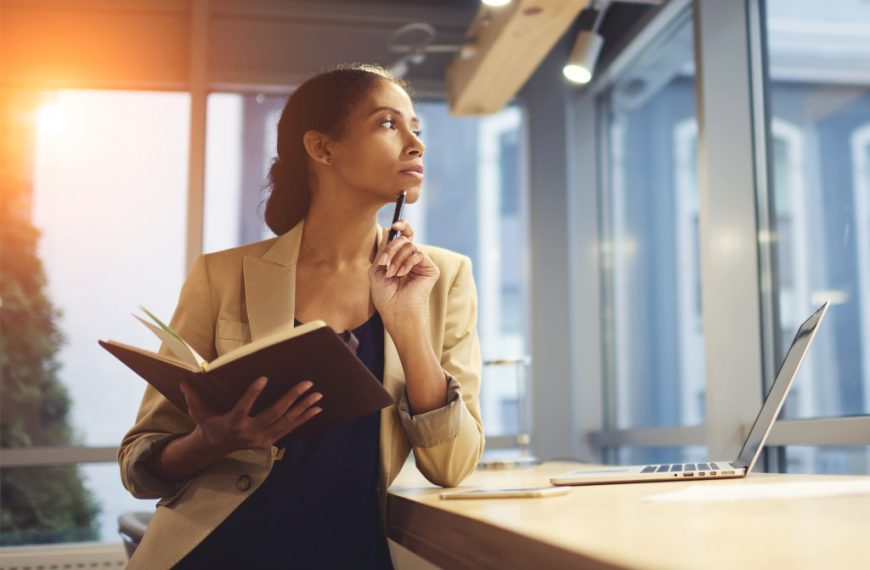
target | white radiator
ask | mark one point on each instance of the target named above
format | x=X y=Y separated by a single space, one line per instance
x=82 y=556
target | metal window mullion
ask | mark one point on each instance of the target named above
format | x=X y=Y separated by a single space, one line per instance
x=503 y=442
x=848 y=431
x=196 y=158
x=728 y=226
x=609 y=394
x=768 y=264
x=825 y=431
x=585 y=257
x=47 y=456
x=648 y=437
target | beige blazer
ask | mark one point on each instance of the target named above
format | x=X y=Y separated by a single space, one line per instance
x=235 y=296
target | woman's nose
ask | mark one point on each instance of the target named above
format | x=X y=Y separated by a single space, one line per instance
x=416 y=148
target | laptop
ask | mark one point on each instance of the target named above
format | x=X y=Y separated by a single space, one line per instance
x=740 y=467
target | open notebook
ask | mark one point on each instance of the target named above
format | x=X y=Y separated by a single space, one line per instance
x=312 y=351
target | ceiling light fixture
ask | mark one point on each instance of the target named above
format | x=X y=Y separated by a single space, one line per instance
x=414 y=41
x=581 y=63
x=587 y=46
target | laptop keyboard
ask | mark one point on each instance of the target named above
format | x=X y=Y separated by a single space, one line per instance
x=680 y=467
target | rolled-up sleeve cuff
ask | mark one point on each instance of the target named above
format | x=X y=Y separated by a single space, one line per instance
x=437 y=426
x=140 y=478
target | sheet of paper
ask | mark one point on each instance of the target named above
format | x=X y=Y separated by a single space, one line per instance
x=178 y=347
x=199 y=361
x=761 y=491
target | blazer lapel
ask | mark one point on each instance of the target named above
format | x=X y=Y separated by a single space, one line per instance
x=270 y=284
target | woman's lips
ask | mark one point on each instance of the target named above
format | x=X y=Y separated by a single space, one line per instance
x=414 y=173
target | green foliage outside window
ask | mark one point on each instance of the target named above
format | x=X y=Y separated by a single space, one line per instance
x=37 y=504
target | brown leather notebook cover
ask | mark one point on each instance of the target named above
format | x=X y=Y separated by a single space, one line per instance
x=349 y=389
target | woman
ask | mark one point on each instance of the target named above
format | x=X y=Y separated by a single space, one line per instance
x=347 y=145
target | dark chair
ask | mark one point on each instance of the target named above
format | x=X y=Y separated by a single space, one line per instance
x=132 y=527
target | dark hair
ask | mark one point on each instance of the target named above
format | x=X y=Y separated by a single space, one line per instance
x=322 y=103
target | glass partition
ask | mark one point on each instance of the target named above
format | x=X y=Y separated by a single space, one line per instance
x=653 y=327
x=819 y=157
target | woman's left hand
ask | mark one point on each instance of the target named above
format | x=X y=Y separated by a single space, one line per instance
x=401 y=279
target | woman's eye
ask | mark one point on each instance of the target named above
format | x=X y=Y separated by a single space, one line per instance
x=418 y=133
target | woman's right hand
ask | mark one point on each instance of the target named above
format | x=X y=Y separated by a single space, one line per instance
x=235 y=430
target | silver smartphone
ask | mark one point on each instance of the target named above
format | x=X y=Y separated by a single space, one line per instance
x=506 y=493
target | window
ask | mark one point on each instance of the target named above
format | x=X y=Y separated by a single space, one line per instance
x=241 y=133
x=104 y=183
x=109 y=197
x=653 y=326
x=819 y=93
x=802 y=135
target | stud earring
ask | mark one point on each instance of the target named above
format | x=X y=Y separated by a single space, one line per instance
x=328 y=160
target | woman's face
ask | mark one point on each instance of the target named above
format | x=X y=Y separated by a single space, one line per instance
x=379 y=145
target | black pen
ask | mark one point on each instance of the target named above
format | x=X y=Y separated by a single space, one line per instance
x=397 y=215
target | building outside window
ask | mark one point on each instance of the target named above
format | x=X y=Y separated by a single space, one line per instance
x=819 y=128
x=653 y=327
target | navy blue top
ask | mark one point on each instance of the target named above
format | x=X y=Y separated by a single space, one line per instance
x=318 y=508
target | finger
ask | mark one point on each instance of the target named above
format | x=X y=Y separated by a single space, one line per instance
x=243 y=406
x=391 y=250
x=400 y=258
x=424 y=266
x=290 y=422
x=297 y=409
x=195 y=406
x=409 y=264
x=280 y=407
x=404 y=229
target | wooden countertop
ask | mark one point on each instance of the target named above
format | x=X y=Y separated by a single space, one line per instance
x=618 y=526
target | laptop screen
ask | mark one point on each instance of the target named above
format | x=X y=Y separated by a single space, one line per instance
x=779 y=390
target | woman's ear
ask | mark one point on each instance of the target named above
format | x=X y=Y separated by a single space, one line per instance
x=317 y=146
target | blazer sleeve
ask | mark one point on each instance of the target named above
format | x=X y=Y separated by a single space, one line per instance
x=158 y=420
x=449 y=441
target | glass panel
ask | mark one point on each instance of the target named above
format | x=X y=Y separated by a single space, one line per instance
x=475 y=179
x=94 y=212
x=110 y=199
x=653 y=325
x=834 y=460
x=240 y=144
x=819 y=93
